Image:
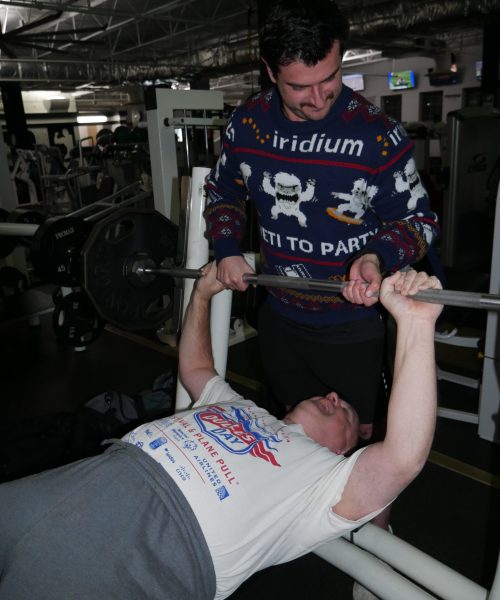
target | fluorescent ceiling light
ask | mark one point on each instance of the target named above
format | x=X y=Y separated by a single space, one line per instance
x=45 y=95
x=82 y=119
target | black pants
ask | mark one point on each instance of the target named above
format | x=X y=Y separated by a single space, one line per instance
x=299 y=362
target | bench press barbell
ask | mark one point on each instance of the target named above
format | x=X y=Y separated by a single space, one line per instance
x=128 y=271
x=448 y=297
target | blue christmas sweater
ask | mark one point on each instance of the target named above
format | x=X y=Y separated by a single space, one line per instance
x=325 y=191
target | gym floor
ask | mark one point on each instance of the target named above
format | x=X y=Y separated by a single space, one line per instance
x=450 y=511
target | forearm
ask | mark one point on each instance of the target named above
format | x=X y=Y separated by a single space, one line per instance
x=412 y=406
x=195 y=347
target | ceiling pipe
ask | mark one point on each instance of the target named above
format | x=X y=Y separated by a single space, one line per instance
x=403 y=16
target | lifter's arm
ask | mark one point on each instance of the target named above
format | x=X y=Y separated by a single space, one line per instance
x=384 y=469
x=196 y=363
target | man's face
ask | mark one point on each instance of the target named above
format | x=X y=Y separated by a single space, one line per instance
x=308 y=93
x=329 y=421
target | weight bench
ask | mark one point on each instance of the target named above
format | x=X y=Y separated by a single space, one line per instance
x=417 y=576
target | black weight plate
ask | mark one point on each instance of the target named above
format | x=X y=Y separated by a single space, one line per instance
x=7 y=242
x=75 y=320
x=106 y=254
x=26 y=216
x=55 y=250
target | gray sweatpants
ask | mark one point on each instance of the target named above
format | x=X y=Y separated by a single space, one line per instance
x=114 y=526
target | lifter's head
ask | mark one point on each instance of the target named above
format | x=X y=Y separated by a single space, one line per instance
x=328 y=420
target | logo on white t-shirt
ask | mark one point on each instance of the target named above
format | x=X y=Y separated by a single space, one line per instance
x=237 y=432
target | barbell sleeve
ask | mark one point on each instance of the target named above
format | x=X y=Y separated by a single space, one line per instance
x=18 y=229
x=446 y=297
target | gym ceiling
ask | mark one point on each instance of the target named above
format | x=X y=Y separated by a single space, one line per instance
x=108 y=49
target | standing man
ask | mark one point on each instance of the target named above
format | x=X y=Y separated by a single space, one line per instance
x=338 y=197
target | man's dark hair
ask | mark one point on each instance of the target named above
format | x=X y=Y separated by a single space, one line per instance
x=301 y=30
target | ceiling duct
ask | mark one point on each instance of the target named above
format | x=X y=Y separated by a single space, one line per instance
x=36 y=74
x=58 y=105
x=405 y=16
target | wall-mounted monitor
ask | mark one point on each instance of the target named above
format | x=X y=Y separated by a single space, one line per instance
x=444 y=78
x=355 y=81
x=401 y=80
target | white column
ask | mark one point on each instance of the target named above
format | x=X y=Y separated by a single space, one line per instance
x=197 y=256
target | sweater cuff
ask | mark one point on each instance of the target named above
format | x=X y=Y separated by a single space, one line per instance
x=388 y=255
x=224 y=247
x=366 y=250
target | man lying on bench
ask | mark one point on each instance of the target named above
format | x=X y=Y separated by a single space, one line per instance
x=188 y=507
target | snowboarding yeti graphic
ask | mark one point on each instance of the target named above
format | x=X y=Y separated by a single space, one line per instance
x=356 y=202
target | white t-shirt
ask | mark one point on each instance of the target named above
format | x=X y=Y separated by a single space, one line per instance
x=261 y=490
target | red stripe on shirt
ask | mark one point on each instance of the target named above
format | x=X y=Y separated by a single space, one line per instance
x=323 y=162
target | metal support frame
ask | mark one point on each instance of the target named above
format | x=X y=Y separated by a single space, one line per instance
x=458 y=415
x=91 y=212
x=489 y=400
x=488 y=415
x=162 y=121
x=9 y=200
x=472 y=152
x=416 y=576
x=451 y=338
x=470 y=382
